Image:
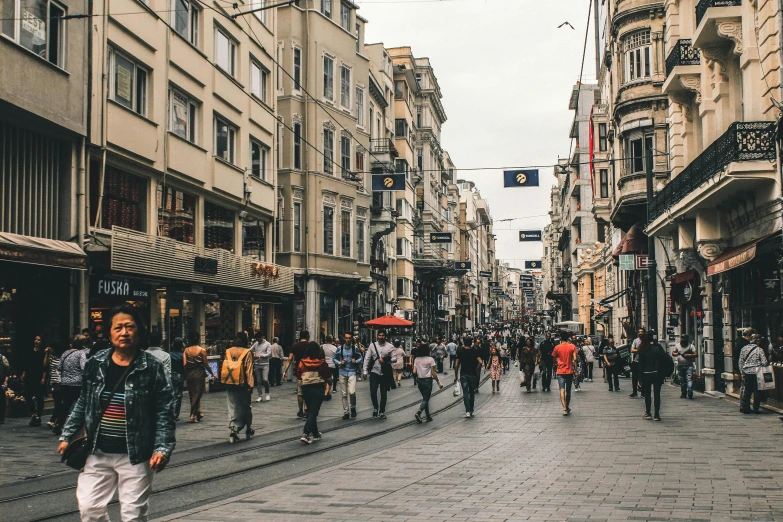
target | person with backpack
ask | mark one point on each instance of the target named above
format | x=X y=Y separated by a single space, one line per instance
x=315 y=376
x=237 y=375
x=654 y=364
x=380 y=356
x=348 y=359
x=196 y=368
x=751 y=357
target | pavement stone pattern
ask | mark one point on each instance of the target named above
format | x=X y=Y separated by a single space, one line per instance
x=27 y=453
x=521 y=459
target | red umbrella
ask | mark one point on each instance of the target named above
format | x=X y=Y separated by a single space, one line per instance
x=388 y=321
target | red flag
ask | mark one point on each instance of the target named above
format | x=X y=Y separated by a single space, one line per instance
x=591 y=139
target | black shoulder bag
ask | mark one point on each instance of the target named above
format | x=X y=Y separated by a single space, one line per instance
x=75 y=455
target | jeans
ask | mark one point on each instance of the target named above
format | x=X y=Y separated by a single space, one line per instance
x=261 y=376
x=425 y=387
x=348 y=390
x=546 y=375
x=439 y=364
x=613 y=375
x=564 y=382
x=57 y=397
x=588 y=371
x=313 y=395
x=375 y=383
x=275 y=371
x=335 y=378
x=469 y=385
x=34 y=393
x=686 y=380
x=750 y=386
x=106 y=473
x=452 y=358
x=634 y=377
x=651 y=380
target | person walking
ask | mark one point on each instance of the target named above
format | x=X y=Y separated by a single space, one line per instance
x=34 y=378
x=156 y=350
x=466 y=368
x=547 y=362
x=276 y=363
x=564 y=355
x=177 y=373
x=425 y=370
x=238 y=375
x=635 y=380
x=55 y=385
x=380 y=356
x=298 y=352
x=580 y=365
x=348 y=359
x=328 y=350
x=126 y=410
x=71 y=368
x=503 y=354
x=528 y=358
x=399 y=365
x=751 y=357
x=196 y=369
x=589 y=354
x=315 y=376
x=451 y=348
x=494 y=366
x=261 y=352
x=649 y=358
x=686 y=355
x=613 y=365
x=5 y=373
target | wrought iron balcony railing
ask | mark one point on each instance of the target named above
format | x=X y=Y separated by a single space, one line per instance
x=383 y=146
x=703 y=5
x=743 y=141
x=683 y=53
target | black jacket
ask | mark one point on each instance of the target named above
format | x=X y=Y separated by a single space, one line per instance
x=650 y=358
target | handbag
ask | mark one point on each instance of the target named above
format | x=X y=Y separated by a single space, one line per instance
x=765 y=378
x=75 y=455
x=456 y=391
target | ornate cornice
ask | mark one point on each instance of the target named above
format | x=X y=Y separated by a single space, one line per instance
x=329 y=125
x=731 y=29
x=683 y=101
x=715 y=59
x=692 y=82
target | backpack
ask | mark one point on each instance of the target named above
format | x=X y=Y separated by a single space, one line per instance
x=665 y=363
x=233 y=369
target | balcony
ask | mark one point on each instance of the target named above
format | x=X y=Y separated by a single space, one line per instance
x=742 y=142
x=703 y=5
x=682 y=54
x=716 y=22
x=382 y=156
x=383 y=146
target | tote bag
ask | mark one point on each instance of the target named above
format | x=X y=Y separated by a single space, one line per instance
x=765 y=378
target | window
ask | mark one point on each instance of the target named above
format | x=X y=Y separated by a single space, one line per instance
x=637 y=56
x=420 y=159
x=328 y=230
x=398 y=89
x=279 y=224
x=259 y=78
x=218 y=227
x=360 y=224
x=604 y=182
x=127 y=82
x=123 y=198
x=328 y=78
x=404 y=287
x=401 y=167
x=345 y=155
x=185 y=16
x=225 y=140
x=326 y=8
x=297 y=68
x=359 y=161
x=176 y=214
x=638 y=146
x=418 y=80
x=184 y=111
x=297 y=146
x=297 y=227
x=358 y=38
x=401 y=128
x=359 y=107
x=261 y=15
x=419 y=116
x=602 y=144
x=404 y=247
x=259 y=159
x=372 y=111
x=279 y=67
x=254 y=239
x=345 y=87
x=36 y=25
x=225 y=52
x=328 y=151
x=345 y=16
x=345 y=233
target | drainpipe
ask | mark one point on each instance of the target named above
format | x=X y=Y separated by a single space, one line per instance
x=81 y=227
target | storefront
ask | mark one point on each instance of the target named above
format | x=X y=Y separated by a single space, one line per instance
x=110 y=290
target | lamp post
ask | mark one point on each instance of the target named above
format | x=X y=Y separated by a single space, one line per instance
x=652 y=290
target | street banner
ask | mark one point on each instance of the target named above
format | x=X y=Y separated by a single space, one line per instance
x=520 y=178
x=485 y=273
x=440 y=237
x=532 y=265
x=497 y=290
x=526 y=277
x=493 y=283
x=388 y=182
x=525 y=285
x=463 y=265
x=529 y=235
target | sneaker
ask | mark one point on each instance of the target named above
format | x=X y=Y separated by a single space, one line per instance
x=233 y=436
x=657 y=418
x=300 y=415
x=565 y=413
x=428 y=419
x=374 y=413
x=646 y=416
x=260 y=399
x=267 y=398
x=305 y=439
x=382 y=415
x=316 y=437
x=346 y=417
x=35 y=421
x=353 y=413
x=632 y=395
x=418 y=417
x=249 y=434
x=467 y=414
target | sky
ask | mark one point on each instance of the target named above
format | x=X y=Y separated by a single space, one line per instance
x=506 y=73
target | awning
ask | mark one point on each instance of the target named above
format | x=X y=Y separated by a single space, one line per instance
x=41 y=251
x=736 y=257
x=684 y=276
x=679 y=286
x=633 y=242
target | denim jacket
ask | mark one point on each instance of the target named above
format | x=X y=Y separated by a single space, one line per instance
x=149 y=403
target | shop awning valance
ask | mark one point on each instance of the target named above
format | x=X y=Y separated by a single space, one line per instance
x=633 y=242
x=42 y=251
x=684 y=277
x=736 y=257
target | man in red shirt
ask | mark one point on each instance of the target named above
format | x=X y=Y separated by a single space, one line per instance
x=565 y=356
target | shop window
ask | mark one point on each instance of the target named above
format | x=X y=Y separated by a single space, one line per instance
x=123 y=198
x=254 y=239
x=176 y=214
x=36 y=25
x=218 y=227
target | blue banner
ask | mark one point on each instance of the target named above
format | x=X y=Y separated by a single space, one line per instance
x=529 y=235
x=463 y=265
x=532 y=265
x=520 y=178
x=381 y=182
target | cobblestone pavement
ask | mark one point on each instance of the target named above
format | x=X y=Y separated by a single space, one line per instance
x=520 y=459
x=27 y=453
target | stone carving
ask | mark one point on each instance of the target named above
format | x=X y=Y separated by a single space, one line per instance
x=346 y=134
x=683 y=102
x=716 y=61
x=731 y=29
x=692 y=82
x=329 y=125
x=298 y=193
x=346 y=204
x=330 y=199
x=709 y=250
x=297 y=118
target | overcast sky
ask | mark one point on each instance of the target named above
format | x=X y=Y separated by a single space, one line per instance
x=506 y=74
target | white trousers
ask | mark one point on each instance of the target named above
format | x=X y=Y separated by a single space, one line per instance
x=106 y=473
x=348 y=387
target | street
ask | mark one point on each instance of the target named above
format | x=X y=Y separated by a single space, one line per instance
x=518 y=459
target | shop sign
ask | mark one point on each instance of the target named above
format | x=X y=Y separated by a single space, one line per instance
x=440 y=237
x=627 y=262
x=687 y=291
x=205 y=265
x=119 y=288
x=734 y=261
x=267 y=271
x=485 y=273
x=463 y=265
x=641 y=262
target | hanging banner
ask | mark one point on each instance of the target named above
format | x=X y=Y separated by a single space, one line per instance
x=497 y=290
x=526 y=285
x=440 y=237
x=520 y=178
x=526 y=277
x=388 y=182
x=463 y=265
x=493 y=283
x=485 y=273
x=529 y=235
x=532 y=265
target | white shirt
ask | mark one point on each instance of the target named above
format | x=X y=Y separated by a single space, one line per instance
x=423 y=367
x=589 y=351
x=264 y=349
x=329 y=351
